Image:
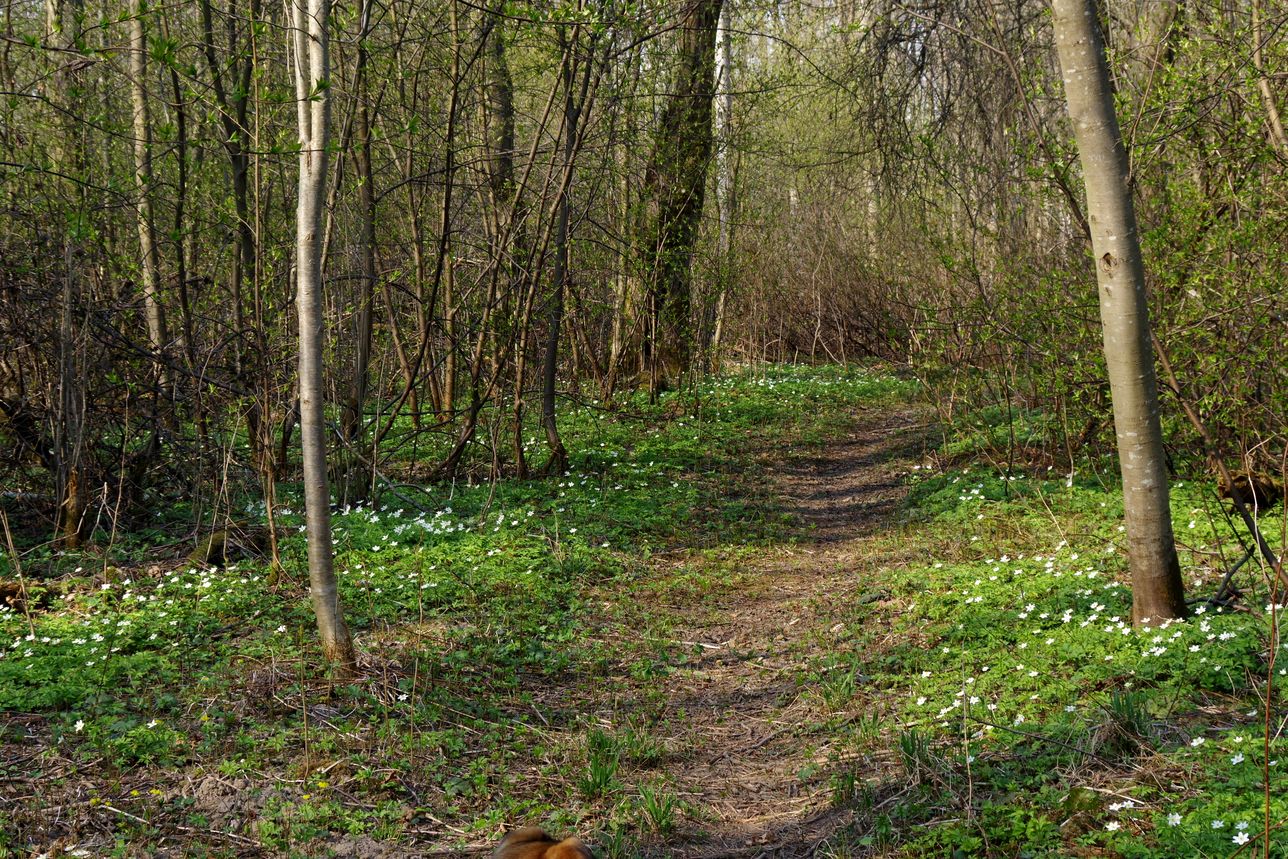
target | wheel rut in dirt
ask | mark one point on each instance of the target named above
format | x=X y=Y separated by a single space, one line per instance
x=752 y=757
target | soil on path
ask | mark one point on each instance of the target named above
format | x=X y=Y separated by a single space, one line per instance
x=754 y=757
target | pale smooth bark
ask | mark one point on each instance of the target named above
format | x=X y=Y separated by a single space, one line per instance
x=725 y=190
x=1157 y=591
x=143 y=189
x=1274 y=123
x=313 y=115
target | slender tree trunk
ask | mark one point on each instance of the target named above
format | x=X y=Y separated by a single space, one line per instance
x=450 y=357
x=62 y=29
x=724 y=182
x=1273 y=121
x=1157 y=591
x=445 y=270
x=310 y=37
x=234 y=112
x=400 y=353
x=558 y=453
x=186 y=344
x=351 y=415
x=499 y=120
x=500 y=111
x=627 y=299
x=622 y=287
x=146 y=225
x=522 y=338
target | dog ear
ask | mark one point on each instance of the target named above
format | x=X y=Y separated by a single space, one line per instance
x=569 y=848
x=529 y=841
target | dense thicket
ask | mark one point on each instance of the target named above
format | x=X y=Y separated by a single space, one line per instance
x=532 y=201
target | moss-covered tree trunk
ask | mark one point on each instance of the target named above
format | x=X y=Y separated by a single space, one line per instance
x=675 y=183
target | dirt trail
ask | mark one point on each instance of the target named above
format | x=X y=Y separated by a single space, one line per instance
x=748 y=734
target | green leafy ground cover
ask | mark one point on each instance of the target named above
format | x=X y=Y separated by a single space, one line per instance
x=997 y=691
x=1021 y=684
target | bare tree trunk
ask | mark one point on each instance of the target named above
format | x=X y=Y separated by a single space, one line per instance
x=502 y=189
x=558 y=453
x=157 y=336
x=1157 y=591
x=725 y=190
x=62 y=30
x=627 y=301
x=234 y=112
x=576 y=106
x=310 y=37
x=186 y=344
x=622 y=280
x=445 y=270
x=351 y=415
x=1275 y=124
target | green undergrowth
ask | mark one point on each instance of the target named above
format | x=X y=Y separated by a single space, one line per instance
x=989 y=698
x=1029 y=716
x=466 y=600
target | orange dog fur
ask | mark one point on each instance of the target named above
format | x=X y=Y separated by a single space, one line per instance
x=532 y=843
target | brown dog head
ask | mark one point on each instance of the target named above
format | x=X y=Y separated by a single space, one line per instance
x=531 y=842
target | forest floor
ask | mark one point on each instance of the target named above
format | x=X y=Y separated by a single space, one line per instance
x=786 y=614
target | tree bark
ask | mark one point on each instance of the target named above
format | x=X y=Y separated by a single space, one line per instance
x=145 y=223
x=1157 y=591
x=62 y=30
x=675 y=185
x=1273 y=122
x=558 y=453
x=310 y=37
x=725 y=190
x=444 y=271
x=234 y=113
x=186 y=343
x=351 y=415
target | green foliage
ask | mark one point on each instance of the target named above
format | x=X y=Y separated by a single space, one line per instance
x=1003 y=679
x=468 y=594
x=600 y=777
x=1015 y=659
x=658 y=808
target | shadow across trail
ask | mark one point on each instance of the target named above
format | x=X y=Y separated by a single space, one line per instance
x=853 y=486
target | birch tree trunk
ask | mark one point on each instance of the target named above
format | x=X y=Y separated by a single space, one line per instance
x=309 y=33
x=1157 y=591
x=725 y=190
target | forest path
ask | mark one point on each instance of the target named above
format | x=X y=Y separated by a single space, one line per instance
x=755 y=757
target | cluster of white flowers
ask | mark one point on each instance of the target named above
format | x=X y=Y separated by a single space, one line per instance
x=120 y=610
x=1026 y=590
